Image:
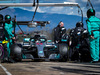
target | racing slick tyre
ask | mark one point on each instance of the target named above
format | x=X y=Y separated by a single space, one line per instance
x=85 y=55
x=63 y=51
x=1 y=52
x=75 y=54
x=16 y=52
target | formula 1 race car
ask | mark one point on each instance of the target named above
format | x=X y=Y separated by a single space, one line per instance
x=38 y=48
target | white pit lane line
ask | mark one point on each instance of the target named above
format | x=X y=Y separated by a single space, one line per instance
x=8 y=73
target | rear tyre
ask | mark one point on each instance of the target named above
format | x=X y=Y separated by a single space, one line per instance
x=85 y=55
x=75 y=54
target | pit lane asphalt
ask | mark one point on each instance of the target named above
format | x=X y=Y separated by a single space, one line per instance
x=50 y=68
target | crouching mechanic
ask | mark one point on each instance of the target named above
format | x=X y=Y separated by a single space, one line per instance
x=93 y=25
x=9 y=25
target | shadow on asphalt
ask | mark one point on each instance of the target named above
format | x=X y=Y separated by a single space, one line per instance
x=87 y=63
x=78 y=71
x=87 y=66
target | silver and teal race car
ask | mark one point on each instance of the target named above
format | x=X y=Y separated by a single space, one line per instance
x=39 y=47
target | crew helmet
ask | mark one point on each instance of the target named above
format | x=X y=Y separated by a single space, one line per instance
x=7 y=18
x=79 y=24
x=90 y=12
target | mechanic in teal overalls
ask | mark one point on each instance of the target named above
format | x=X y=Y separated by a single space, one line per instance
x=93 y=25
x=9 y=25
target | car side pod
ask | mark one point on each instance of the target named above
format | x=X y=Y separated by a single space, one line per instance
x=16 y=52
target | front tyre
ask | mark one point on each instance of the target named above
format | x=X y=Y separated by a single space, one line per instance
x=16 y=52
x=1 y=52
x=85 y=55
x=63 y=51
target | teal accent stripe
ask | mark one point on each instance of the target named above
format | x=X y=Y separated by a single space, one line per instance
x=0 y=41
x=63 y=40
